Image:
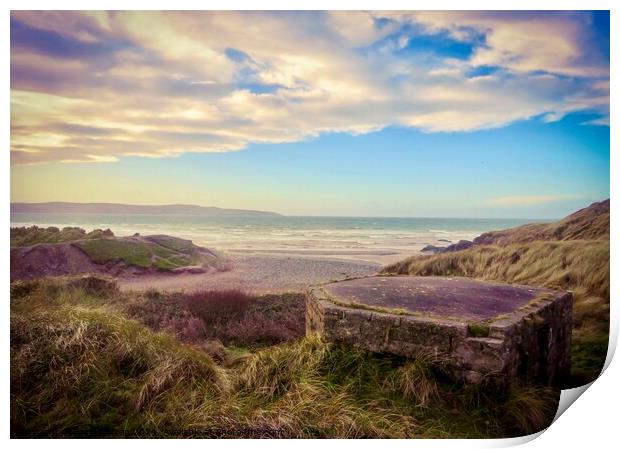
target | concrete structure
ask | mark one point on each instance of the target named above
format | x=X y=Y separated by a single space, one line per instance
x=481 y=331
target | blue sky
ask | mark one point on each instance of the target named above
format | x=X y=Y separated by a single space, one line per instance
x=497 y=114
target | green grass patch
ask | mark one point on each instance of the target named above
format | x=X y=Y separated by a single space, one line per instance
x=173 y=243
x=478 y=329
x=136 y=252
x=104 y=250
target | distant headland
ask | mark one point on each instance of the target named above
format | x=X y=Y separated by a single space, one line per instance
x=115 y=208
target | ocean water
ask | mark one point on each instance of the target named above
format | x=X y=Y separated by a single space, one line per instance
x=288 y=234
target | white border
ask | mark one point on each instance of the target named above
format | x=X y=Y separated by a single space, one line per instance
x=590 y=423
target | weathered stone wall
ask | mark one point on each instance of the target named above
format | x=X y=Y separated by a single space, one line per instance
x=531 y=345
x=540 y=342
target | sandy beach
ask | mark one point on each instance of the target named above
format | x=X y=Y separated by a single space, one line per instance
x=384 y=256
x=259 y=274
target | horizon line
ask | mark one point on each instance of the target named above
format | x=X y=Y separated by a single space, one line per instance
x=319 y=216
x=275 y=212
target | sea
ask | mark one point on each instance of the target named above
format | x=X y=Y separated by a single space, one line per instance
x=378 y=236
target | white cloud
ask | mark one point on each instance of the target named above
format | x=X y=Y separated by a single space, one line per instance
x=165 y=83
x=555 y=42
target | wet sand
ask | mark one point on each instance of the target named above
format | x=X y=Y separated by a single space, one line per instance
x=259 y=274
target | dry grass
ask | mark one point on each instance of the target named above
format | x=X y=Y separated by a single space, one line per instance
x=566 y=265
x=341 y=392
x=590 y=223
x=88 y=372
x=81 y=367
x=529 y=409
x=415 y=381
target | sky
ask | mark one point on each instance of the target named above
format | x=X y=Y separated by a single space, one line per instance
x=348 y=113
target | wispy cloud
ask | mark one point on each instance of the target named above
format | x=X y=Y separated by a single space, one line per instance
x=527 y=200
x=95 y=86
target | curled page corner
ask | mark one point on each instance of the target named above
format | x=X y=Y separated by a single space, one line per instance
x=568 y=397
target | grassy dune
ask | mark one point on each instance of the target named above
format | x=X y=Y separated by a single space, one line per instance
x=87 y=360
x=581 y=266
x=590 y=223
x=160 y=252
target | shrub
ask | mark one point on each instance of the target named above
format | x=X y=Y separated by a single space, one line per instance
x=232 y=317
x=185 y=326
x=94 y=285
x=217 y=305
x=266 y=320
x=163 y=313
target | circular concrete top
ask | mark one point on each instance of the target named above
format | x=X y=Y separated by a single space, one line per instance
x=438 y=296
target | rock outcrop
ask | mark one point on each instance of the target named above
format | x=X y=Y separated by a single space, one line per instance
x=461 y=245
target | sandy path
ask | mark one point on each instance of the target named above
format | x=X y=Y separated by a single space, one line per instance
x=258 y=274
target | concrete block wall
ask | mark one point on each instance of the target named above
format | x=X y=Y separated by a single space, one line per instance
x=529 y=346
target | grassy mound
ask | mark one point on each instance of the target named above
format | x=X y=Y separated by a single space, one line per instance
x=81 y=366
x=160 y=252
x=579 y=265
x=139 y=252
